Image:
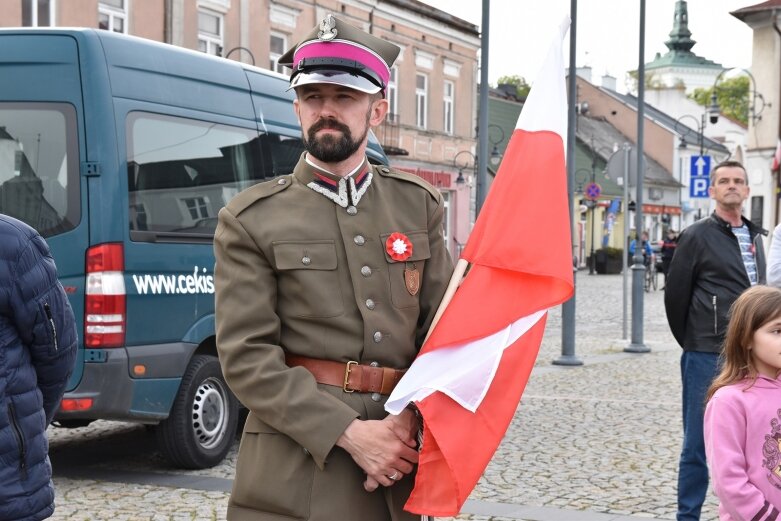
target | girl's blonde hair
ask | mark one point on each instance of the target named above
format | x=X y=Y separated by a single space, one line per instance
x=754 y=308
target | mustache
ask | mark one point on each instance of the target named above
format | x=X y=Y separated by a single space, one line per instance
x=328 y=123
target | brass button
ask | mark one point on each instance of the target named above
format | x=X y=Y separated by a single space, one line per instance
x=306 y=261
x=282 y=181
x=377 y=337
x=385 y=170
x=359 y=240
x=352 y=210
x=370 y=304
x=366 y=271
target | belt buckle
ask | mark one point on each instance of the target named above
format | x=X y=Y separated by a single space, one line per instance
x=347 y=376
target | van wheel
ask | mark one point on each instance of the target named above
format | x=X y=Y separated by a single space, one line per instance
x=201 y=427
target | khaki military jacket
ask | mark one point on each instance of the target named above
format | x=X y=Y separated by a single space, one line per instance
x=302 y=268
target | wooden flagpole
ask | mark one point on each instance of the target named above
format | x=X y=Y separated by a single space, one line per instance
x=452 y=286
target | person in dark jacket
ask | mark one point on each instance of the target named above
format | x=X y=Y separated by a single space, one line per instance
x=668 y=250
x=38 y=350
x=716 y=259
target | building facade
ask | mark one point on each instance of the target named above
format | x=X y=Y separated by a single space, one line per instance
x=764 y=128
x=433 y=88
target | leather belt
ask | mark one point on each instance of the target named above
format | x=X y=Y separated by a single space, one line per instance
x=350 y=376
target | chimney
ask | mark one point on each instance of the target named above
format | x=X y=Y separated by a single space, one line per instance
x=508 y=89
x=609 y=82
x=584 y=72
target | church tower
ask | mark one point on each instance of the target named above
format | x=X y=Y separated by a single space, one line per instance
x=680 y=67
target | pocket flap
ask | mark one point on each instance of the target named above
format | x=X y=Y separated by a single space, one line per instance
x=419 y=240
x=304 y=255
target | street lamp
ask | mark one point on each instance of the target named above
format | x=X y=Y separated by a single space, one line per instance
x=754 y=112
x=686 y=130
x=240 y=48
x=460 y=180
x=496 y=154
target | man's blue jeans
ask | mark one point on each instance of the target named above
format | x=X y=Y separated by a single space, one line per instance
x=697 y=372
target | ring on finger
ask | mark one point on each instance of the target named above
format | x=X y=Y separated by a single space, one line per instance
x=394 y=476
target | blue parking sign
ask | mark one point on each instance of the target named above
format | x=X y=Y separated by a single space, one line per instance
x=699 y=166
x=698 y=188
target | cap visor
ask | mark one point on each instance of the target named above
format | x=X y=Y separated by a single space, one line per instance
x=334 y=78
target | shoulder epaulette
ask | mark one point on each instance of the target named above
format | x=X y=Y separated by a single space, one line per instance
x=246 y=198
x=410 y=178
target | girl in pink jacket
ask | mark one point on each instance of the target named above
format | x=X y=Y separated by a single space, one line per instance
x=743 y=412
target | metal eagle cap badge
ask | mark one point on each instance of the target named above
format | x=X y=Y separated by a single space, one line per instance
x=327 y=29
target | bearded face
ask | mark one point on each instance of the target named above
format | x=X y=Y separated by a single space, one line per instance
x=333 y=147
x=336 y=119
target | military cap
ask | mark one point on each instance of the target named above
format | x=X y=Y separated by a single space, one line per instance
x=338 y=53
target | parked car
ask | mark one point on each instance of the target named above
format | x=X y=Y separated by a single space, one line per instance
x=121 y=151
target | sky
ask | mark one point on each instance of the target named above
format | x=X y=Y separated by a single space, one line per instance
x=607 y=33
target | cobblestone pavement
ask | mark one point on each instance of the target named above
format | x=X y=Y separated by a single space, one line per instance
x=598 y=442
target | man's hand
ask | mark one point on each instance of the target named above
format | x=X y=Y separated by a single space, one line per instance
x=382 y=448
x=405 y=426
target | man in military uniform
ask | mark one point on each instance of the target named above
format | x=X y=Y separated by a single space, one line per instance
x=327 y=281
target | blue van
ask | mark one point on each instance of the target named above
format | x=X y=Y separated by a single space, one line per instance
x=120 y=151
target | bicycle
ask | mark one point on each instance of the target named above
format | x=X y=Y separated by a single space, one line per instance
x=651 y=275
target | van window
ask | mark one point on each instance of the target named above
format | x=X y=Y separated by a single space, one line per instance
x=39 y=167
x=182 y=171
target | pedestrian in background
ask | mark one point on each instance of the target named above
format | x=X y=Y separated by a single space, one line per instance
x=668 y=249
x=327 y=281
x=716 y=259
x=774 y=259
x=646 y=247
x=38 y=351
x=742 y=417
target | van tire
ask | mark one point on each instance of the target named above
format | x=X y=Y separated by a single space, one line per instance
x=201 y=427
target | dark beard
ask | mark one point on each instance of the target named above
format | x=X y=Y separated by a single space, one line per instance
x=329 y=148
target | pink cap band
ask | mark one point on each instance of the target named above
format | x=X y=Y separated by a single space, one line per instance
x=345 y=50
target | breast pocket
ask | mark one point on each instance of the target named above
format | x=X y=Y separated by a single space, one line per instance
x=405 y=287
x=308 y=280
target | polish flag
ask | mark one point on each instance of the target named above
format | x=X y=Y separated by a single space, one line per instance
x=468 y=378
x=777 y=158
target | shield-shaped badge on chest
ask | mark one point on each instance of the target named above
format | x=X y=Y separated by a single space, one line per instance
x=412 y=279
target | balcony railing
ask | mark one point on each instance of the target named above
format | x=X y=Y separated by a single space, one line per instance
x=388 y=136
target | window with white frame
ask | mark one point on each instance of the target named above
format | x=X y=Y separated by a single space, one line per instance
x=393 y=96
x=38 y=13
x=210 y=28
x=446 y=219
x=450 y=90
x=277 y=47
x=421 y=95
x=112 y=15
x=284 y=16
x=197 y=207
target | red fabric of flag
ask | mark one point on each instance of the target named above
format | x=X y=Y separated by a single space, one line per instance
x=521 y=265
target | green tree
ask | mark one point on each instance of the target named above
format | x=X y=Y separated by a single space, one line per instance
x=519 y=82
x=731 y=95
